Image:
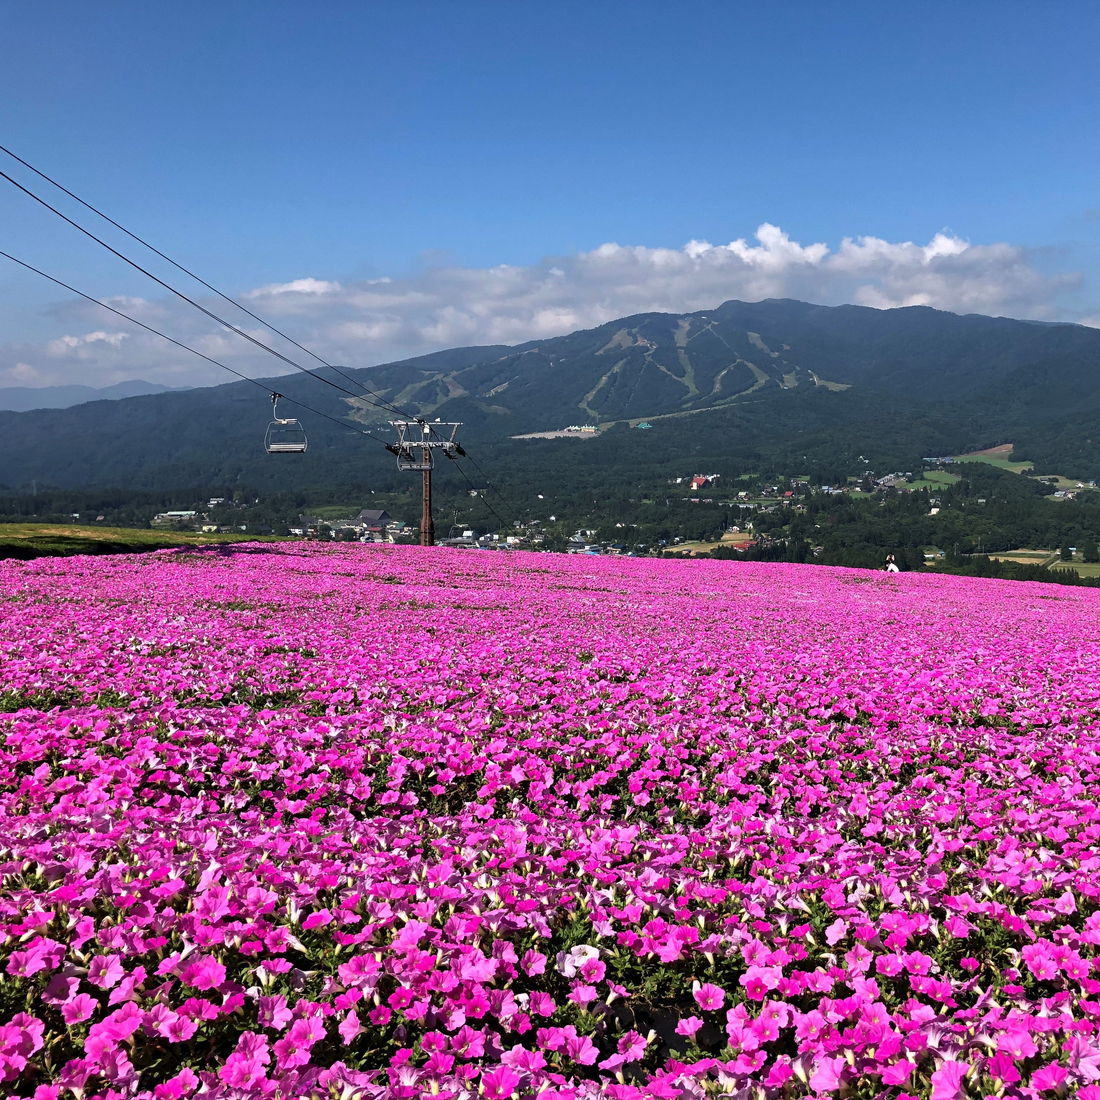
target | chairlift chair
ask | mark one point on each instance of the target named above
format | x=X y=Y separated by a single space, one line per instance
x=285 y=435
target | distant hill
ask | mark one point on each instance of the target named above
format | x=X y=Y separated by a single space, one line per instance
x=767 y=383
x=25 y=398
x=660 y=364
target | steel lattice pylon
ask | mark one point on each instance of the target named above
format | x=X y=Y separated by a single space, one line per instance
x=417 y=443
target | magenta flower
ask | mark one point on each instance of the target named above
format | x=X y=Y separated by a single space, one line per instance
x=520 y=1058
x=583 y=994
x=40 y=954
x=468 y=1043
x=349 y=1026
x=500 y=1083
x=424 y=765
x=1050 y=1076
x=106 y=971
x=581 y=1049
x=947 y=1081
x=245 y=1067
x=688 y=1026
x=708 y=996
x=79 y=1008
x=183 y=1084
x=897 y=1073
x=294 y=1047
x=758 y=981
x=203 y=972
x=60 y=990
x=180 y=1029
x=1016 y=1043
x=439 y=1062
x=273 y=1012
x=632 y=1046
x=1065 y=903
x=104 y=1037
x=828 y=1074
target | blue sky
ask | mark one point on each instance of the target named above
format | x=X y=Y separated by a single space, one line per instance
x=314 y=150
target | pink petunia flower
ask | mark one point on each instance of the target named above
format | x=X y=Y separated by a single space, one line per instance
x=349 y=1026
x=203 y=972
x=78 y=1009
x=947 y=1081
x=106 y=971
x=1016 y=1043
x=688 y=1026
x=708 y=996
x=827 y=1074
x=499 y=1083
x=176 y=1088
x=759 y=980
x=1050 y=1076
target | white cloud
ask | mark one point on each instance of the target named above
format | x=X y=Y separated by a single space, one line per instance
x=64 y=345
x=20 y=374
x=296 y=286
x=378 y=320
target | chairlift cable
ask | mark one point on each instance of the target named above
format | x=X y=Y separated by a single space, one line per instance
x=190 y=301
x=489 y=484
x=199 y=279
x=185 y=347
x=488 y=503
x=187 y=271
x=380 y=402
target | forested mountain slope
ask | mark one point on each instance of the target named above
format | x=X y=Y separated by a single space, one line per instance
x=778 y=379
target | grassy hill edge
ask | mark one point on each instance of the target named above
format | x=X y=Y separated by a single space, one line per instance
x=24 y=541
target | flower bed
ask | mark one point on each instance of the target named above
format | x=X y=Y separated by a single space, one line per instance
x=392 y=822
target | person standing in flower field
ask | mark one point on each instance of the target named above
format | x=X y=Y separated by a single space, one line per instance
x=891 y=565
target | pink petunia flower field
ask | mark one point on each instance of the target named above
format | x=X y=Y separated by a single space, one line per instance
x=384 y=822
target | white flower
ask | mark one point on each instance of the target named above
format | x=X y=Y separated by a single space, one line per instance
x=569 y=962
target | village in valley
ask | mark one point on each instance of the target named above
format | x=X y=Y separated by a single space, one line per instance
x=712 y=514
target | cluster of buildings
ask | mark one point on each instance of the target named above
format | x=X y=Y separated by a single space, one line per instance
x=697 y=481
x=192 y=519
x=368 y=525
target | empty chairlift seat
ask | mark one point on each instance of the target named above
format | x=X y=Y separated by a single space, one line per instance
x=285 y=435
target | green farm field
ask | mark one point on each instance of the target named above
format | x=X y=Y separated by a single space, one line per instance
x=1082 y=568
x=934 y=479
x=1028 y=557
x=996 y=456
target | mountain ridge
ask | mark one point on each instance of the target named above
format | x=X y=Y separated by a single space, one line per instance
x=661 y=363
x=29 y=398
x=781 y=375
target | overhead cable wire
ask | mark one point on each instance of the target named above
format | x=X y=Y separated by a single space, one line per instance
x=198 y=278
x=193 y=351
x=473 y=487
x=489 y=484
x=379 y=401
x=190 y=301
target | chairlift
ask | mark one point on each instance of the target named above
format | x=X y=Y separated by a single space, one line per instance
x=285 y=435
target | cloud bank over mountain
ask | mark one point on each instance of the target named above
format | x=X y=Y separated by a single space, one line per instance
x=379 y=320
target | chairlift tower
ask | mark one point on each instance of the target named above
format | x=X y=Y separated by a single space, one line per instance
x=416 y=447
